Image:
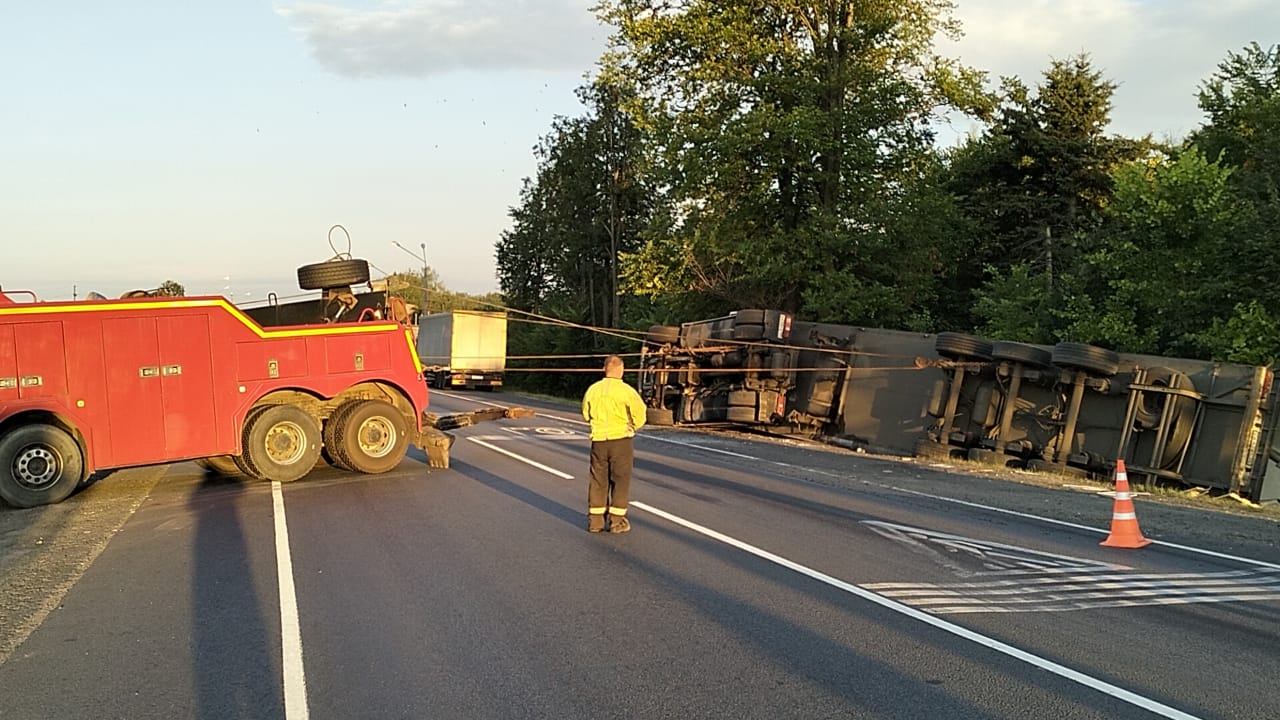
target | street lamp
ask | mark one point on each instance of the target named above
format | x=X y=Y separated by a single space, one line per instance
x=423 y=310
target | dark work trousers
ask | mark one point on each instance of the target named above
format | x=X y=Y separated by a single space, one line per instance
x=610 y=476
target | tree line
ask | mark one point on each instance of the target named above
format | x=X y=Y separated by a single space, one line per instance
x=784 y=154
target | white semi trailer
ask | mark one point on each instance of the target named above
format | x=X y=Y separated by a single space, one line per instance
x=463 y=348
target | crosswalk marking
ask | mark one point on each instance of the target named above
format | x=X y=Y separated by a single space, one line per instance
x=1007 y=579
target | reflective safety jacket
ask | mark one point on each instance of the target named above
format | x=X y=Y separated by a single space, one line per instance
x=613 y=408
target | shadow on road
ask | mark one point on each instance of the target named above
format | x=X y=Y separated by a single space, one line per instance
x=236 y=665
x=577 y=517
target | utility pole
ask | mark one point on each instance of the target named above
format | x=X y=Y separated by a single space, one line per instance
x=422 y=310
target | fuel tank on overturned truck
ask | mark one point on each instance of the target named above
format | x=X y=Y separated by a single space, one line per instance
x=1067 y=408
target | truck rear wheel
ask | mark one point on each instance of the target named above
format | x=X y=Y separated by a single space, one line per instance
x=220 y=465
x=281 y=443
x=372 y=437
x=39 y=465
x=332 y=434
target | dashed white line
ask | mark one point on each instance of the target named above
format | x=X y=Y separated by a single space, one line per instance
x=295 y=681
x=521 y=458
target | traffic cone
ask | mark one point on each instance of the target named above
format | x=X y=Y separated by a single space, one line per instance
x=1124 y=521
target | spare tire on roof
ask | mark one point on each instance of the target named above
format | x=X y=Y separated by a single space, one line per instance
x=333 y=274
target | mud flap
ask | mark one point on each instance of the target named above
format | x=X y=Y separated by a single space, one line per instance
x=436 y=444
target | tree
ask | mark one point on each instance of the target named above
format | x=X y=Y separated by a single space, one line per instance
x=792 y=145
x=422 y=288
x=578 y=216
x=1242 y=134
x=581 y=213
x=169 y=288
x=1157 y=277
x=1242 y=102
x=1035 y=187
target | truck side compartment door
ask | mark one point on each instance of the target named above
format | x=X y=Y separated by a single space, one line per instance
x=41 y=360
x=186 y=385
x=134 y=402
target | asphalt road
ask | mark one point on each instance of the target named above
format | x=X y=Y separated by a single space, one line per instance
x=763 y=579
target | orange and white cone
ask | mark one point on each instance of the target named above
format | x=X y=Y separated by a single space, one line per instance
x=1124 y=521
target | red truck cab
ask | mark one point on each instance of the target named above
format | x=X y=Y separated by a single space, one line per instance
x=94 y=385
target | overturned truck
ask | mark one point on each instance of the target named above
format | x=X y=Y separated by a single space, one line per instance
x=1067 y=408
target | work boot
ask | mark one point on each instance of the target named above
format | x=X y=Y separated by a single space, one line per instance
x=595 y=523
x=619 y=524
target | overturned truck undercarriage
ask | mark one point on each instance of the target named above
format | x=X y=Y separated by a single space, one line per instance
x=1067 y=408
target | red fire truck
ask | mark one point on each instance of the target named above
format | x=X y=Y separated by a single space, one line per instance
x=100 y=384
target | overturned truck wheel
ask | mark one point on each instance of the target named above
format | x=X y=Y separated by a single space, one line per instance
x=663 y=335
x=1091 y=359
x=959 y=346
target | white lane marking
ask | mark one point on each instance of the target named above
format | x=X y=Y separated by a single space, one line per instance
x=521 y=458
x=295 y=681
x=991 y=643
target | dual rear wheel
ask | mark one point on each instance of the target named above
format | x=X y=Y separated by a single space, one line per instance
x=284 y=443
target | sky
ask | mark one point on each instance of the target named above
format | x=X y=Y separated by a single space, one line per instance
x=216 y=143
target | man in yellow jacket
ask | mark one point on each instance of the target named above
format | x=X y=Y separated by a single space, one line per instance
x=615 y=411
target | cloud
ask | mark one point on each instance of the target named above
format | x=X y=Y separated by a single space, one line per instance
x=1157 y=52
x=429 y=37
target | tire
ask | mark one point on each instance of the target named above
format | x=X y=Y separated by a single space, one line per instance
x=743 y=398
x=238 y=460
x=659 y=417
x=989 y=457
x=663 y=335
x=39 y=465
x=748 y=332
x=1181 y=420
x=281 y=443
x=1093 y=360
x=1021 y=353
x=333 y=274
x=220 y=465
x=958 y=346
x=749 y=317
x=331 y=434
x=930 y=450
x=741 y=415
x=1149 y=410
x=1044 y=466
x=372 y=437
